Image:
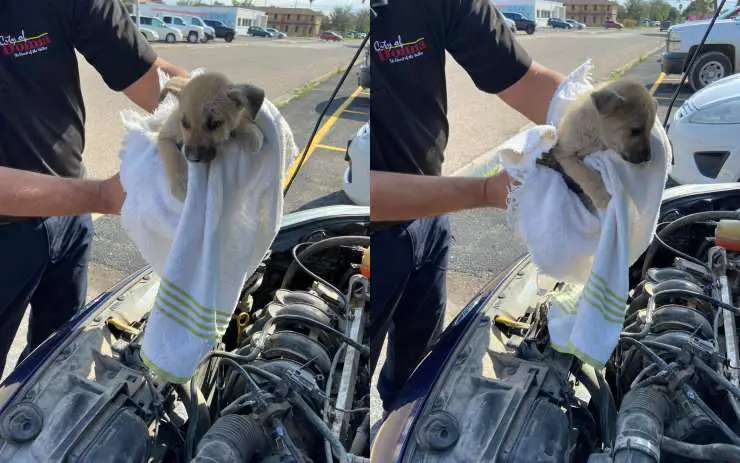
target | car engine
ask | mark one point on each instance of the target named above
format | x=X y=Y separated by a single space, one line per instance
x=288 y=383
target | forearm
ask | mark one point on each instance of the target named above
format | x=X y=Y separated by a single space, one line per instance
x=406 y=197
x=145 y=91
x=532 y=94
x=29 y=194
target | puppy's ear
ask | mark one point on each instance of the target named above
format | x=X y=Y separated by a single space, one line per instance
x=174 y=85
x=249 y=97
x=607 y=101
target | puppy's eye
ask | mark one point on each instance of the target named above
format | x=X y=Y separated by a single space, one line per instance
x=636 y=132
x=213 y=124
x=185 y=123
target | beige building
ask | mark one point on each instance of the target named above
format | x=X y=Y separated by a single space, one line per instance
x=294 y=21
x=591 y=12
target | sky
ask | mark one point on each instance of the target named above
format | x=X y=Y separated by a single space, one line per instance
x=322 y=5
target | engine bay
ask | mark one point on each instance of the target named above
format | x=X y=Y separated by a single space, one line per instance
x=288 y=383
x=669 y=393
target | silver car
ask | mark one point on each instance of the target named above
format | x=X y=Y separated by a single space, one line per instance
x=166 y=33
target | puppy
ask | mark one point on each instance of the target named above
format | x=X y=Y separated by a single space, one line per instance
x=618 y=116
x=212 y=110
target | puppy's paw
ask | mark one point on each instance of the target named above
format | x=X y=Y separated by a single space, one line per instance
x=179 y=187
x=600 y=197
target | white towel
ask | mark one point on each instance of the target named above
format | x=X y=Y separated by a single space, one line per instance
x=205 y=248
x=591 y=252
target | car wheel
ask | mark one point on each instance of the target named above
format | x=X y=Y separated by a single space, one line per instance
x=709 y=67
x=193 y=37
x=170 y=38
x=229 y=37
x=530 y=29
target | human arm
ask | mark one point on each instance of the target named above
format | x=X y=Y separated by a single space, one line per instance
x=396 y=197
x=30 y=194
x=108 y=38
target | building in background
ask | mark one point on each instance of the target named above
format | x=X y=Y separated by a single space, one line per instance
x=294 y=21
x=538 y=10
x=238 y=18
x=591 y=12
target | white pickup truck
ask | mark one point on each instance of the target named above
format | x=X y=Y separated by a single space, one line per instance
x=192 y=33
x=717 y=59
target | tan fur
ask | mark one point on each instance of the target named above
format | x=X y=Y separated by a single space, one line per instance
x=618 y=116
x=211 y=111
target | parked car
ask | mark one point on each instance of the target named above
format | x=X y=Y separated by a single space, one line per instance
x=210 y=32
x=330 y=36
x=193 y=34
x=609 y=24
x=512 y=24
x=656 y=23
x=492 y=389
x=705 y=134
x=165 y=32
x=363 y=73
x=222 y=30
x=576 y=24
x=522 y=22
x=257 y=31
x=556 y=23
x=149 y=34
x=718 y=58
x=276 y=33
x=665 y=25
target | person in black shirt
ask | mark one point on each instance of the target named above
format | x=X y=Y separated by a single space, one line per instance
x=409 y=130
x=45 y=229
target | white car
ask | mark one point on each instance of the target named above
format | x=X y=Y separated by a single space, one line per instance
x=193 y=34
x=705 y=135
x=356 y=180
x=210 y=33
x=166 y=33
x=149 y=34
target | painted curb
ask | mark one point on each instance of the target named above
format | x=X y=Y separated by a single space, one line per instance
x=485 y=165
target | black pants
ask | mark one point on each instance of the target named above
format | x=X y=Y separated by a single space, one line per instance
x=409 y=266
x=44 y=264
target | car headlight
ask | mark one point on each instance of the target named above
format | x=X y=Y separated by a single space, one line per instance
x=674 y=42
x=722 y=113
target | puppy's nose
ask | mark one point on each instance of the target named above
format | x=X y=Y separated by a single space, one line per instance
x=643 y=156
x=206 y=153
x=192 y=153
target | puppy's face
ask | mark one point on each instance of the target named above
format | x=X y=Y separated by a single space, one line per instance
x=211 y=109
x=627 y=112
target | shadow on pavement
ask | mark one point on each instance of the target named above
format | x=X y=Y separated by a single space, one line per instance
x=359 y=107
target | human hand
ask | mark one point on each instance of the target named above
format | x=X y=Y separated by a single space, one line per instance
x=111 y=195
x=496 y=189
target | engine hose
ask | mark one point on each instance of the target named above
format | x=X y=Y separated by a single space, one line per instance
x=681 y=222
x=336 y=446
x=327 y=393
x=320 y=246
x=231 y=439
x=602 y=396
x=199 y=418
x=365 y=350
x=640 y=426
x=359 y=443
x=709 y=452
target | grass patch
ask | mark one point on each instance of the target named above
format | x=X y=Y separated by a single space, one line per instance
x=306 y=88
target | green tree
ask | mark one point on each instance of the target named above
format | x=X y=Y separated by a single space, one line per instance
x=342 y=18
x=362 y=21
x=635 y=9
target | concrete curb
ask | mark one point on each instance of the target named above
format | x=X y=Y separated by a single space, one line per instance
x=484 y=165
x=298 y=92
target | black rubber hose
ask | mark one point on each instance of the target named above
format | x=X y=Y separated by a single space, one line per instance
x=231 y=439
x=321 y=246
x=682 y=222
x=365 y=350
x=603 y=398
x=362 y=436
x=640 y=426
x=709 y=452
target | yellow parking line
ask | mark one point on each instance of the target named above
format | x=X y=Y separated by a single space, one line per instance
x=322 y=132
x=361 y=113
x=657 y=83
x=332 y=148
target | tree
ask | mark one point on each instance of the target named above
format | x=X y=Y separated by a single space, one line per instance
x=635 y=9
x=342 y=18
x=362 y=21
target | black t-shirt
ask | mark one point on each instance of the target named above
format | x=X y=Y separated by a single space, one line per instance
x=42 y=115
x=408 y=117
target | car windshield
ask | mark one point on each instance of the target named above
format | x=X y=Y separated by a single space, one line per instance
x=179 y=22
x=156 y=22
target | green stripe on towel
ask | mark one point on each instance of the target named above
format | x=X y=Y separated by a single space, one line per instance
x=207 y=336
x=193 y=302
x=573 y=350
x=202 y=316
x=595 y=303
x=619 y=300
x=170 y=378
x=608 y=306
